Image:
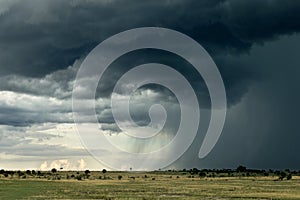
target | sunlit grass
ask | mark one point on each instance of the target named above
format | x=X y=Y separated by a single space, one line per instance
x=136 y=185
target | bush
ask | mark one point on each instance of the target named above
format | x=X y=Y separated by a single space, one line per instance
x=20 y=173
x=289 y=177
x=241 y=169
x=202 y=174
x=79 y=178
x=282 y=176
x=266 y=174
x=196 y=171
x=120 y=177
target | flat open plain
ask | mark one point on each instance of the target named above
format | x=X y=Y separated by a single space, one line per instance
x=145 y=185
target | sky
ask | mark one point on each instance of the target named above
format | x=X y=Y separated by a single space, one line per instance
x=255 y=45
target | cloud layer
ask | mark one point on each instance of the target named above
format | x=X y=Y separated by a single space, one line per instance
x=255 y=45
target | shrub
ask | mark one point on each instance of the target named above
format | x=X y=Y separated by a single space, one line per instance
x=79 y=178
x=266 y=174
x=241 y=169
x=289 y=177
x=202 y=174
x=282 y=176
x=120 y=177
x=132 y=177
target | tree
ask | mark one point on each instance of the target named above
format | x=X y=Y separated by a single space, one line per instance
x=241 y=169
x=120 y=177
x=287 y=170
x=202 y=174
x=53 y=170
x=79 y=178
x=20 y=173
x=195 y=170
x=289 y=177
x=266 y=174
x=87 y=173
x=282 y=175
x=104 y=171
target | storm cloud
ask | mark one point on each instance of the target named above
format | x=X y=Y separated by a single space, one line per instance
x=40 y=37
x=255 y=45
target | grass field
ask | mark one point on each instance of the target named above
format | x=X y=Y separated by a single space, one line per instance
x=142 y=185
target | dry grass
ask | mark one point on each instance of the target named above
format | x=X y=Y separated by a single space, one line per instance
x=154 y=186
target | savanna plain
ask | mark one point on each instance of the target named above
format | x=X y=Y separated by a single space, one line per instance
x=87 y=184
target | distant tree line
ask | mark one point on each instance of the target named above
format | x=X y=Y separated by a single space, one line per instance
x=240 y=171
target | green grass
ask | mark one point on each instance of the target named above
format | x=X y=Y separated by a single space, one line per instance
x=165 y=186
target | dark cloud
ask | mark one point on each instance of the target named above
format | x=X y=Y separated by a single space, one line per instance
x=42 y=36
x=255 y=45
x=262 y=131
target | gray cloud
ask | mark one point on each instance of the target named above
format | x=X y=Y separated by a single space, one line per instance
x=43 y=36
x=58 y=84
x=254 y=44
x=262 y=130
x=31 y=142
